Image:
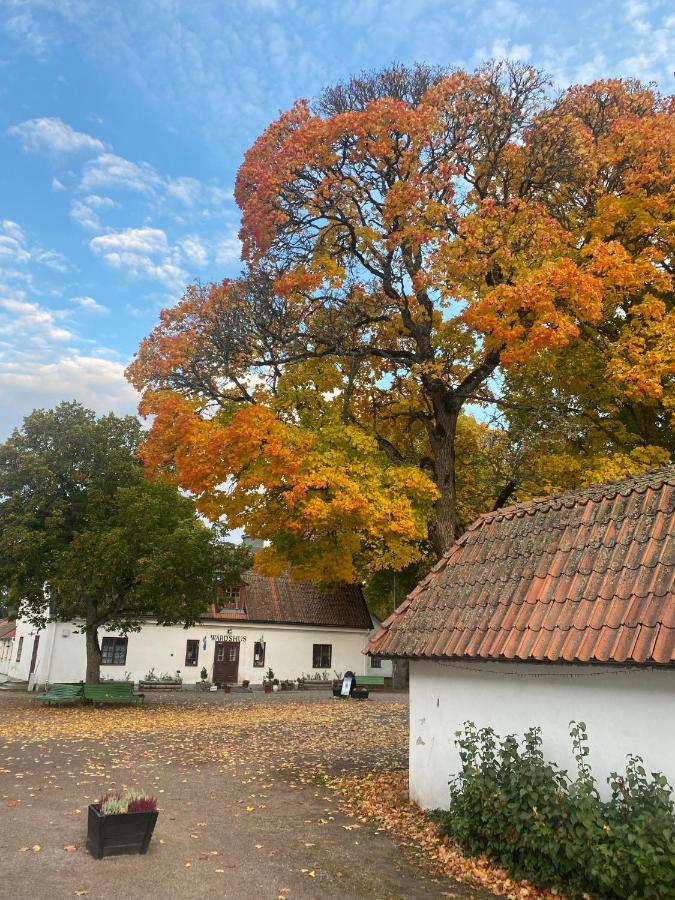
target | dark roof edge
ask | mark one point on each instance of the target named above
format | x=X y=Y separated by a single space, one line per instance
x=242 y=621
x=477 y=660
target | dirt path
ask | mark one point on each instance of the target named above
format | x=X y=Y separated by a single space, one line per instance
x=244 y=812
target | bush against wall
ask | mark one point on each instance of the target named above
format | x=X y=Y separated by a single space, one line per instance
x=529 y=816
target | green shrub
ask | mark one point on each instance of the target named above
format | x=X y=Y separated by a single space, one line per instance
x=529 y=816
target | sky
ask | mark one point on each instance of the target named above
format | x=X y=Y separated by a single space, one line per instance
x=123 y=124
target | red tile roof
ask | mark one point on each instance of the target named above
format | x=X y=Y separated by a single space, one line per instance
x=587 y=576
x=7 y=629
x=282 y=601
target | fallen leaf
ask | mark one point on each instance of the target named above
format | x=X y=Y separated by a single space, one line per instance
x=36 y=848
x=12 y=802
x=70 y=847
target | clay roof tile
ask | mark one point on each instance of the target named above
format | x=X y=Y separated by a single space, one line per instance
x=587 y=576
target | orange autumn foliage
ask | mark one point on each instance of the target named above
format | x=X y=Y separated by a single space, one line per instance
x=412 y=250
x=330 y=508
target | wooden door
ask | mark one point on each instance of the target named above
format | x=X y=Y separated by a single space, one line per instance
x=226 y=662
x=33 y=659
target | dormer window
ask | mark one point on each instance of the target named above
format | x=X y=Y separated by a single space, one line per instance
x=228 y=598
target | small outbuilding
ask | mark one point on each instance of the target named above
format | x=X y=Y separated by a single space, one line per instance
x=557 y=609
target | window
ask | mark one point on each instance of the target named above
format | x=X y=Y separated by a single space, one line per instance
x=19 y=649
x=259 y=654
x=228 y=598
x=321 y=656
x=375 y=663
x=114 y=651
x=191 y=653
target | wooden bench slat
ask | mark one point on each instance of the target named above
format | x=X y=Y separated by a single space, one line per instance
x=61 y=693
x=370 y=679
x=112 y=693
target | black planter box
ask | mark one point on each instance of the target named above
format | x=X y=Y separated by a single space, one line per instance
x=122 y=833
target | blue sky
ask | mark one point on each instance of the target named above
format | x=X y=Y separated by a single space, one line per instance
x=122 y=125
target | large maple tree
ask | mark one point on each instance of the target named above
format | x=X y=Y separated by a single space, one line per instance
x=416 y=242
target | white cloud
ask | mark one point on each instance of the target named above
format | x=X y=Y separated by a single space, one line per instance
x=22 y=25
x=112 y=171
x=52 y=135
x=13 y=247
x=29 y=321
x=182 y=198
x=52 y=259
x=144 y=240
x=185 y=189
x=57 y=185
x=95 y=381
x=228 y=250
x=15 y=250
x=88 y=304
x=13 y=230
x=141 y=252
x=193 y=250
x=83 y=210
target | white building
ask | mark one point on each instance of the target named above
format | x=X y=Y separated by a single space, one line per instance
x=557 y=609
x=290 y=627
x=7 y=634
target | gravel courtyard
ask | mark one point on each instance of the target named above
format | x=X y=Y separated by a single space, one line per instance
x=245 y=812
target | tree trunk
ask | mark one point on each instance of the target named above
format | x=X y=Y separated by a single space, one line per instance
x=93 y=653
x=399 y=674
x=443 y=526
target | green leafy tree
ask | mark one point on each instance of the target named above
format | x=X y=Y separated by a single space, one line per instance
x=231 y=560
x=85 y=536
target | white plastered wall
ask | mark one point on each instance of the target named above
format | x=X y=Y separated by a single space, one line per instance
x=288 y=651
x=626 y=710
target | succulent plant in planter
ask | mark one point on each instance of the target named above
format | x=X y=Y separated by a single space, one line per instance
x=121 y=822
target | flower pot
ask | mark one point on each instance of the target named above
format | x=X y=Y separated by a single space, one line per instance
x=122 y=833
x=267 y=688
x=275 y=687
x=227 y=689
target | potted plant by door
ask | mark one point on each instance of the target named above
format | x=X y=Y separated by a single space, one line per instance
x=121 y=822
x=203 y=684
x=268 y=681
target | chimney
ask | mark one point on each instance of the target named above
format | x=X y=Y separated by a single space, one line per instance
x=254 y=543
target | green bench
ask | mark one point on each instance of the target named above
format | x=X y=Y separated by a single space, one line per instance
x=370 y=680
x=61 y=693
x=112 y=692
